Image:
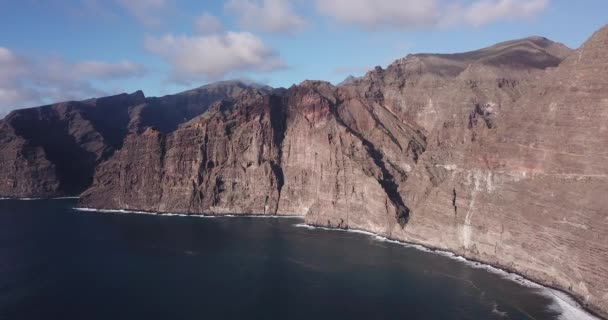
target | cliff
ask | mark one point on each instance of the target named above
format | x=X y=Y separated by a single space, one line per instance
x=52 y=151
x=498 y=155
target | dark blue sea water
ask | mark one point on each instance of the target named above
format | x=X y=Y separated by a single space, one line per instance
x=57 y=263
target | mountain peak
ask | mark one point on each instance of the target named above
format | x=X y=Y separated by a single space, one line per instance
x=598 y=41
x=237 y=83
x=228 y=87
x=587 y=64
x=531 y=53
x=348 y=80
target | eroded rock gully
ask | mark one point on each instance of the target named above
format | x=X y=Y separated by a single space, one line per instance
x=498 y=155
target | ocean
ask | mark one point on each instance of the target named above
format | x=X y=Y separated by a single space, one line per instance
x=61 y=263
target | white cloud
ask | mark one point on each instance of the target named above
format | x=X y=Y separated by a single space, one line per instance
x=11 y=65
x=374 y=14
x=411 y=14
x=146 y=11
x=487 y=11
x=207 y=24
x=25 y=82
x=213 y=56
x=266 y=15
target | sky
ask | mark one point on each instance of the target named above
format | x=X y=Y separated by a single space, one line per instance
x=58 y=50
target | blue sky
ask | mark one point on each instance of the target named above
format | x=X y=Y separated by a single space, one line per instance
x=52 y=50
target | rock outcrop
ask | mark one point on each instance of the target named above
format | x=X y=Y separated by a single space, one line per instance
x=225 y=160
x=52 y=151
x=498 y=155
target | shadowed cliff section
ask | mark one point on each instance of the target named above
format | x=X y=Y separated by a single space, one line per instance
x=386 y=178
x=65 y=142
x=168 y=112
x=278 y=120
x=226 y=158
x=74 y=165
x=74 y=136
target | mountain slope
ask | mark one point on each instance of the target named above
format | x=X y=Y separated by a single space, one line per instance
x=52 y=151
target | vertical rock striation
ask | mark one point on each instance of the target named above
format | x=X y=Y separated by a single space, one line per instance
x=52 y=151
x=226 y=160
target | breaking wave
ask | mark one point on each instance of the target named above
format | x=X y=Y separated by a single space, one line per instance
x=31 y=199
x=162 y=214
x=562 y=303
x=567 y=307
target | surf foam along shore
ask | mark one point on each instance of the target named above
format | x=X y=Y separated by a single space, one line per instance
x=564 y=304
x=163 y=214
x=31 y=199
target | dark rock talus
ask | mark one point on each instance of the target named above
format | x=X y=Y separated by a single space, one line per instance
x=499 y=155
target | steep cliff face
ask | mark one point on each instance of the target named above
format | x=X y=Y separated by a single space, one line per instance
x=515 y=169
x=302 y=151
x=24 y=168
x=497 y=154
x=226 y=160
x=168 y=112
x=344 y=158
x=53 y=150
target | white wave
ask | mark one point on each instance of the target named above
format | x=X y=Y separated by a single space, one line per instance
x=568 y=308
x=32 y=199
x=268 y=216
x=122 y=211
x=497 y=312
x=304 y=225
x=113 y=211
x=562 y=303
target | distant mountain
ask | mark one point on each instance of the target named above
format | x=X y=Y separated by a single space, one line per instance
x=497 y=155
x=350 y=79
x=229 y=88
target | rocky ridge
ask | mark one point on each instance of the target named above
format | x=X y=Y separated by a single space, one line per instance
x=497 y=155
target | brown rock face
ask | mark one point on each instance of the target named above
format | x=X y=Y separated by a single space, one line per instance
x=52 y=151
x=498 y=155
x=226 y=160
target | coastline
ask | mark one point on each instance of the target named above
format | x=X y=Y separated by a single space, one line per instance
x=166 y=214
x=569 y=306
x=31 y=199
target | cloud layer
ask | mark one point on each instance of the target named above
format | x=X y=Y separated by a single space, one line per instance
x=280 y=16
x=275 y=16
x=488 y=11
x=381 y=13
x=413 y=14
x=26 y=82
x=213 y=56
x=212 y=53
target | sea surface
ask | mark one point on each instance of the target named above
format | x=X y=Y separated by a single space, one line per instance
x=60 y=263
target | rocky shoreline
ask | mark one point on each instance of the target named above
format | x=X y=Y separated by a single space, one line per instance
x=581 y=312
